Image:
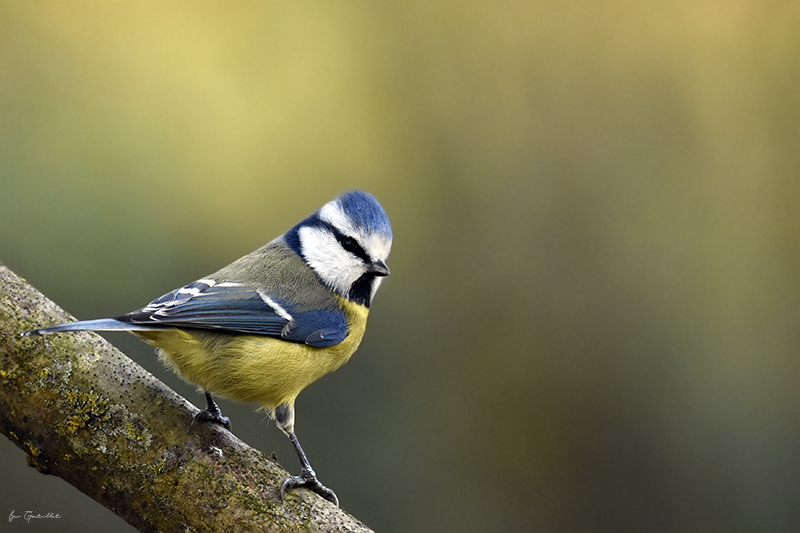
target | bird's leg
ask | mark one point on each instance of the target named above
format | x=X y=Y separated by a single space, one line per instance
x=212 y=414
x=284 y=415
x=307 y=477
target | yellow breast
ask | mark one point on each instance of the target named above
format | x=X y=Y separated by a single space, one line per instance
x=250 y=368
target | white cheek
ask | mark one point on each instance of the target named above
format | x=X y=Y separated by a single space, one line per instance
x=336 y=268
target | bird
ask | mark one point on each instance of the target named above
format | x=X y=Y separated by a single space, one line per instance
x=266 y=326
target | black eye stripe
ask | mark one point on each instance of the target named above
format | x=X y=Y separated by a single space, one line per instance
x=350 y=244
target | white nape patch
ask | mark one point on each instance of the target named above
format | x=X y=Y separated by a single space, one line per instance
x=279 y=310
x=337 y=268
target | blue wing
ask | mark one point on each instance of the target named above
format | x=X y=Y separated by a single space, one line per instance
x=240 y=308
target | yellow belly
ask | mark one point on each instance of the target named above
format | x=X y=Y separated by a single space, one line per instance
x=250 y=368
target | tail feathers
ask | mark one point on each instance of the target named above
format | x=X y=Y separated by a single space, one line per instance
x=103 y=324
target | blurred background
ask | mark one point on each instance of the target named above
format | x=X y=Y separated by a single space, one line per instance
x=591 y=322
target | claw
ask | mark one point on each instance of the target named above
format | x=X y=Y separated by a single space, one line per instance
x=308 y=479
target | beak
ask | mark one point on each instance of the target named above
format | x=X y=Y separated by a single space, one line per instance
x=378 y=268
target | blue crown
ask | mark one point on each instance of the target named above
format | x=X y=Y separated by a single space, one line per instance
x=365 y=211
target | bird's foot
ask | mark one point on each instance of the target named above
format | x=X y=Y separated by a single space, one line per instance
x=309 y=480
x=212 y=413
x=213 y=416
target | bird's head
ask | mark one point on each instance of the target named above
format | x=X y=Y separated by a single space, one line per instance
x=346 y=243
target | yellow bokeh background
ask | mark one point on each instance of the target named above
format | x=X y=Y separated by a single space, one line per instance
x=591 y=322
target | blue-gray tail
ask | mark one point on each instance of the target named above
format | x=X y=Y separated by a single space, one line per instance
x=102 y=324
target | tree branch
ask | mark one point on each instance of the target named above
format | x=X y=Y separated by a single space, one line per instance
x=84 y=411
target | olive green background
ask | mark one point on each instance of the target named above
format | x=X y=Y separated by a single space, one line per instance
x=592 y=318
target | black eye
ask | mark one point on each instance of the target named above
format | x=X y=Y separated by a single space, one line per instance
x=350 y=244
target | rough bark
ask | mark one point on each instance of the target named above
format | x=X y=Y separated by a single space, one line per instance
x=84 y=411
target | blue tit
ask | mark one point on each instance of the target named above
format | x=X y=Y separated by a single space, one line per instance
x=271 y=323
